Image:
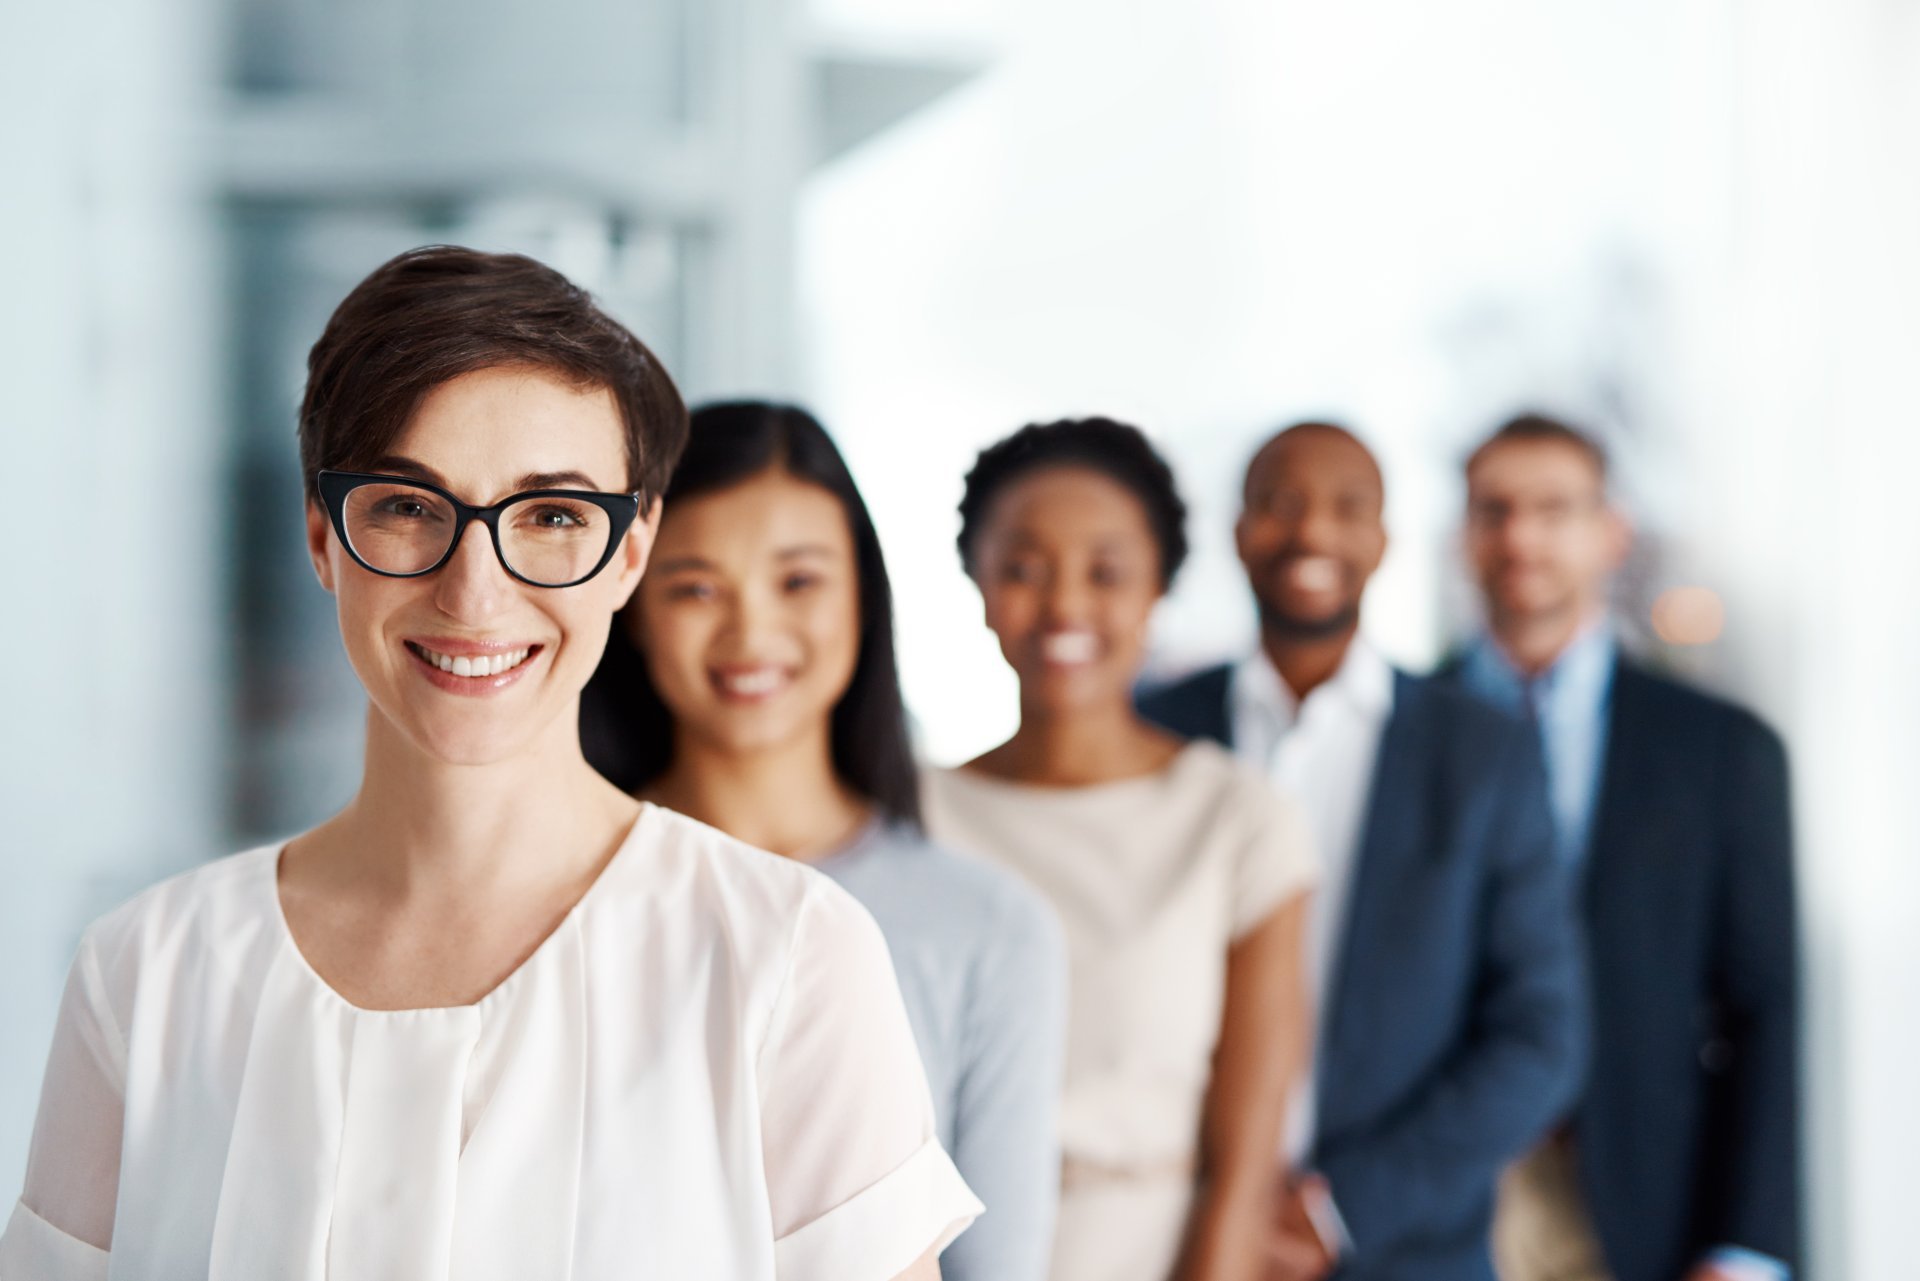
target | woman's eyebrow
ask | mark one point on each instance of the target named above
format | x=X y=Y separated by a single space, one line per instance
x=398 y=465
x=807 y=549
x=555 y=480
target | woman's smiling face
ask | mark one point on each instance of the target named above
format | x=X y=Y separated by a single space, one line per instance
x=750 y=616
x=1069 y=573
x=525 y=651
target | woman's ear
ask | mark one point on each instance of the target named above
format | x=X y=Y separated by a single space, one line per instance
x=319 y=543
x=636 y=549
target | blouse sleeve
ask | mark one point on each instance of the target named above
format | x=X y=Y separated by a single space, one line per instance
x=1276 y=859
x=857 y=1181
x=63 y=1225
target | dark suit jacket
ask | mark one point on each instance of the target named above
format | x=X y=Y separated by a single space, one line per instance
x=1454 y=1028
x=1687 y=1134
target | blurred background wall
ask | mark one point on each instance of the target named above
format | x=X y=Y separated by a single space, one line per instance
x=1690 y=224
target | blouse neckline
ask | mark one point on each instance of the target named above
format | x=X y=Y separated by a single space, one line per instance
x=276 y=913
x=1048 y=791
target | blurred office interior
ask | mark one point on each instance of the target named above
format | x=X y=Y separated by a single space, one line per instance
x=1691 y=225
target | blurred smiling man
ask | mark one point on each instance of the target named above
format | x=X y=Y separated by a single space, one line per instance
x=1442 y=944
x=1670 y=808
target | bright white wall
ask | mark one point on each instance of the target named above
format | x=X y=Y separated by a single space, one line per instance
x=1809 y=458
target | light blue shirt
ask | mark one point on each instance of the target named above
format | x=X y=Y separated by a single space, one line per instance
x=1571 y=702
x=982 y=966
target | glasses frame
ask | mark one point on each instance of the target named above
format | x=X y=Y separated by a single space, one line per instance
x=334 y=486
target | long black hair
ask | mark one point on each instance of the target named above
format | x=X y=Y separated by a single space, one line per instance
x=625 y=728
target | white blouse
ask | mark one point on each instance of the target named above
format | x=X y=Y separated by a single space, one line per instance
x=705 y=1071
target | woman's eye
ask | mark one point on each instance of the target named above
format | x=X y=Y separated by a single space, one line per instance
x=1111 y=576
x=556 y=518
x=689 y=591
x=404 y=508
x=800 y=582
x=1019 y=571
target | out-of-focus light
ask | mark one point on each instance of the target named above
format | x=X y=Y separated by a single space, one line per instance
x=1689 y=616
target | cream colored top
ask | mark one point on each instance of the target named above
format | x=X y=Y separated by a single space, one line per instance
x=1153 y=879
x=705 y=1071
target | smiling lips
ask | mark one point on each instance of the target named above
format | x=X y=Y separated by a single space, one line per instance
x=749 y=684
x=482 y=669
x=475 y=664
x=1312 y=573
x=1069 y=648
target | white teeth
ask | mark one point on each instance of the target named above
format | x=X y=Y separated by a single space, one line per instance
x=1070 y=647
x=477 y=664
x=752 y=684
x=1315 y=573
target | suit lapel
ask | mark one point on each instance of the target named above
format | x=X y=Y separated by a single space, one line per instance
x=1396 y=816
x=1220 y=706
x=1626 y=755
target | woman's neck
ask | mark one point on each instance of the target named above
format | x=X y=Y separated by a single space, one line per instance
x=420 y=828
x=1080 y=747
x=787 y=799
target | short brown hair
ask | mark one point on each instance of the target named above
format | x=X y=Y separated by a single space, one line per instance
x=432 y=314
x=1540 y=429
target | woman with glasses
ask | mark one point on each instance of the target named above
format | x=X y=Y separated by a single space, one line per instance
x=495 y=1020
x=768 y=704
x=1180 y=879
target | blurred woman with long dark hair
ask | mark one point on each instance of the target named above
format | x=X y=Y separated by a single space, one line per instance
x=754 y=687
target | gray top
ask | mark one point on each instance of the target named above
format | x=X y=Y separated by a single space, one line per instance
x=983 y=969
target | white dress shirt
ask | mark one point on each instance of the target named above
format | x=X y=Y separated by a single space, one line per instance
x=1321 y=752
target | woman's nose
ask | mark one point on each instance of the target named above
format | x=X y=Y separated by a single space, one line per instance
x=1066 y=601
x=473 y=582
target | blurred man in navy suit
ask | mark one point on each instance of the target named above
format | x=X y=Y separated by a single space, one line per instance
x=1680 y=1159
x=1444 y=947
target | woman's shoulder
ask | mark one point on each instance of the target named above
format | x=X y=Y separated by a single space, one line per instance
x=215 y=918
x=221 y=896
x=944 y=780
x=990 y=900
x=697 y=876
x=679 y=849
x=1202 y=758
x=955 y=800
x=1240 y=807
x=1207 y=767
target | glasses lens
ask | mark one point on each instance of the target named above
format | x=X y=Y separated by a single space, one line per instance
x=554 y=541
x=398 y=529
